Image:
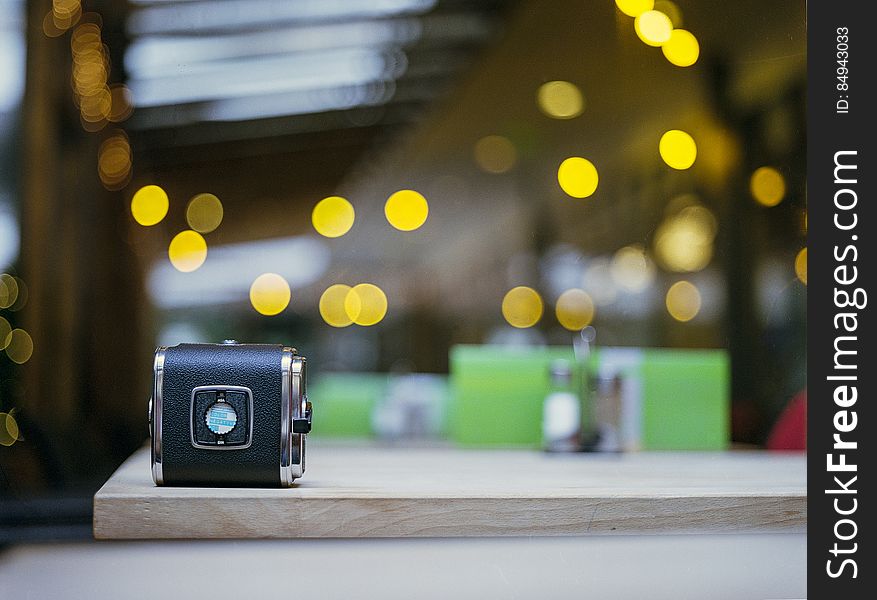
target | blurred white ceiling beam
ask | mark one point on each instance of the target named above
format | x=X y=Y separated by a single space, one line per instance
x=156 y=56
x=250 y=77
x=241 y=14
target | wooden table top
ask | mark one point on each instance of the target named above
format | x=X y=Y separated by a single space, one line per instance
x=385 y=491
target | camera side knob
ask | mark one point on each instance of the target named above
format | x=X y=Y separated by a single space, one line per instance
x=303 y=424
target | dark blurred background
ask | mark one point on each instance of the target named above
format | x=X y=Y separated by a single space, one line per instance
x=271 y=106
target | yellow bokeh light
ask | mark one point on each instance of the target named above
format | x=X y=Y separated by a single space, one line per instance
x=49 y=28
x=631 y=268
x=700 y=218
x=9 y=432
x=578 y=177
x=365 y=304
x=92 y=126
x=560 y=100
x=204 y=213
x=682 y=48
x=768 y=186
x=678 y=149
x=8 y=290
x=114 y=161
x=90 y=78
x=522 y=307
x=121 y=102
x=114 y=158
x=94 y=106
x=85 y=35
x=333 y=216
x=65 y=7
x=12 y=427
x=270 y=294
x=653 y=27
x=801 y=265
x=88 y=50
x=21 y=300
x=66 y=13
x=574 y=309
x=495 y=154
x=86 y=42
x=187 y=251
x=19 y=346
x=332 y=305
x=634 y=8
x=684 y=242
x=671 y=9
x=149 y=205
x=406 y=210
x=683 y=301
x=5 y=330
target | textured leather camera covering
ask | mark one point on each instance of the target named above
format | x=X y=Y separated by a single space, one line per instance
x=254 y=366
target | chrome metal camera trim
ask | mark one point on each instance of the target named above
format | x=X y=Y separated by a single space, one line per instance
x=292 y=447
x=157 y=402
x=216 y=388
x=297 y=466
x=285 y=374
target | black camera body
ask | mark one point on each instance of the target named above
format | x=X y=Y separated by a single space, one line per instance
x=228 y=415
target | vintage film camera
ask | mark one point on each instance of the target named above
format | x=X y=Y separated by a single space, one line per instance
x=228 y=414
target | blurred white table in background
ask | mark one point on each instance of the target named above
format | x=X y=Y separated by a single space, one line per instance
x=733 y=566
